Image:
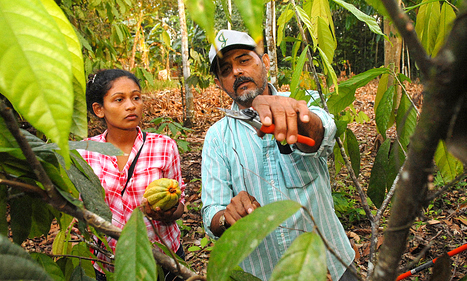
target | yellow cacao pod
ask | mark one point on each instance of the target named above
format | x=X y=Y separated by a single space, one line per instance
x=163 y=193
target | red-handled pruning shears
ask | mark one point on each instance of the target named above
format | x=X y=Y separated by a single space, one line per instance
x=250 y=116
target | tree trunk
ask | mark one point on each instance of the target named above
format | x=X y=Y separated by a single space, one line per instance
x=271 y=41
x=186 y=67
x=444 y=90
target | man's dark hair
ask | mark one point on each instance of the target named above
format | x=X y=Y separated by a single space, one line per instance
x=100 y=83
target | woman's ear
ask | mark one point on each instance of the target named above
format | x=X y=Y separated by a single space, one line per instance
x=98 y=110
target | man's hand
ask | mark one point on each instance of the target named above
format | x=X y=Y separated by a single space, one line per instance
x=240 y=206
x=290 y=117
x=170 y=215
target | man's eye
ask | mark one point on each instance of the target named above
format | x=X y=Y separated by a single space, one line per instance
x=119 y=99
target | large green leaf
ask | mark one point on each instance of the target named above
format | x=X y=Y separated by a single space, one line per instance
x=36 y=67
x=329 y=70
x=384 y=111
x=252 y=15
x=41 y=218
x=245 y=235
x=49 y=265
x=82 y=250
x=406 y=121
x=133 y=255
x=353 y=150
x=449 y=166
x=284 y=18
x=80 y=275
x=21 y=218
x=338 y=102
x=297 y=73
x=304 y=260
x=16 y=264
x=368 y=20
x=427 y=24
x=378 y=179
x=202 y=12
x=79 y=125
x=445 y=24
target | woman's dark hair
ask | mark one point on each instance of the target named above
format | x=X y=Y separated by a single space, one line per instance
x=100 y=83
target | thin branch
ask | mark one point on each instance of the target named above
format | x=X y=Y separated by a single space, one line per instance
x=447 y=186
x=362 y=195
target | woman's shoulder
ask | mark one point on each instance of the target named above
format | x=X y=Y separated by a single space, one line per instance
x=154 y=137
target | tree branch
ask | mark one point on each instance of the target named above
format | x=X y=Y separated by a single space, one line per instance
x=445 y=86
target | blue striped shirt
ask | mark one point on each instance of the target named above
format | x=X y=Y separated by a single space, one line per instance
x=236 y=159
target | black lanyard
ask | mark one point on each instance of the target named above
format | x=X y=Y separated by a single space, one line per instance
x=133 y=164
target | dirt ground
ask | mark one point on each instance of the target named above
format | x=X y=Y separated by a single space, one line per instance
x=442 y=228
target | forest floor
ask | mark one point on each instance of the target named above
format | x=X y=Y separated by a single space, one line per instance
x=441 y=228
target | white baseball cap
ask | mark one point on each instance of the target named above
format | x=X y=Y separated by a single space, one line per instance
x=227 y=40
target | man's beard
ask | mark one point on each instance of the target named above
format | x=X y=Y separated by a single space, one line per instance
x=248 y=95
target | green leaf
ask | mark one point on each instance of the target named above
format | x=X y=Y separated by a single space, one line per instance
x=82 y=250
x=304 y=260
x=49 y=265
x=89 y=186
x=397 y=156
x=245 y=235
x=427 y=24
x=21 y=218
x=384 y=111
x=40 y=87
x=378 y=179
x=202 y=12
x=368 y=20
x=284 y=18
x=449 y=166
x=297 y=73
x=16 y=264
x=382 y=88
x=329 y=69
x=379 y=6
x=41 y=218
x=79 y=125
x=80 y=275
x=252 y=15
x=353 y=150
x=133 y=255
x=445 y=25
x=327 y=44
x=406 y=121
x=346 y=96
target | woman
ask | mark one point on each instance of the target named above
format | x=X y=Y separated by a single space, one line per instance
x=114 y=95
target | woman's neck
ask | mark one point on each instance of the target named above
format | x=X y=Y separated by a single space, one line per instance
x=123 y=139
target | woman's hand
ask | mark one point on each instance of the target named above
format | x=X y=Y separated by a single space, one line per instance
x=170 y=215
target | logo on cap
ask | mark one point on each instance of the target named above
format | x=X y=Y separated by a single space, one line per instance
x=222 y=40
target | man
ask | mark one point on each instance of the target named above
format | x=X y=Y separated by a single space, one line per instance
x=241 y=171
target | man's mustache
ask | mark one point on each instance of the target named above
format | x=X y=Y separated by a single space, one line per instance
x=241 y=80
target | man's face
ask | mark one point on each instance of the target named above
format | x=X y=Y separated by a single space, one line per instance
x=243 y=75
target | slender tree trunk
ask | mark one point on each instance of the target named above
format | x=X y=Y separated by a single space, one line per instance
x=186 y=66
x=271 y=41
x=392 y=52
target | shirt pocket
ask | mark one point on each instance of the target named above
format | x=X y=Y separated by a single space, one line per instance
x=297 y=171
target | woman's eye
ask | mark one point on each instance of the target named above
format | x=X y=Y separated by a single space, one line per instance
x=119 y=99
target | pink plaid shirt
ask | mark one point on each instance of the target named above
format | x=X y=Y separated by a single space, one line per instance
x=158 y=159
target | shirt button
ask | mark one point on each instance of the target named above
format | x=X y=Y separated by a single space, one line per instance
x=267 y=155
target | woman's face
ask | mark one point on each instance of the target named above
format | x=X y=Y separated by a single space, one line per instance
x=123 y=105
